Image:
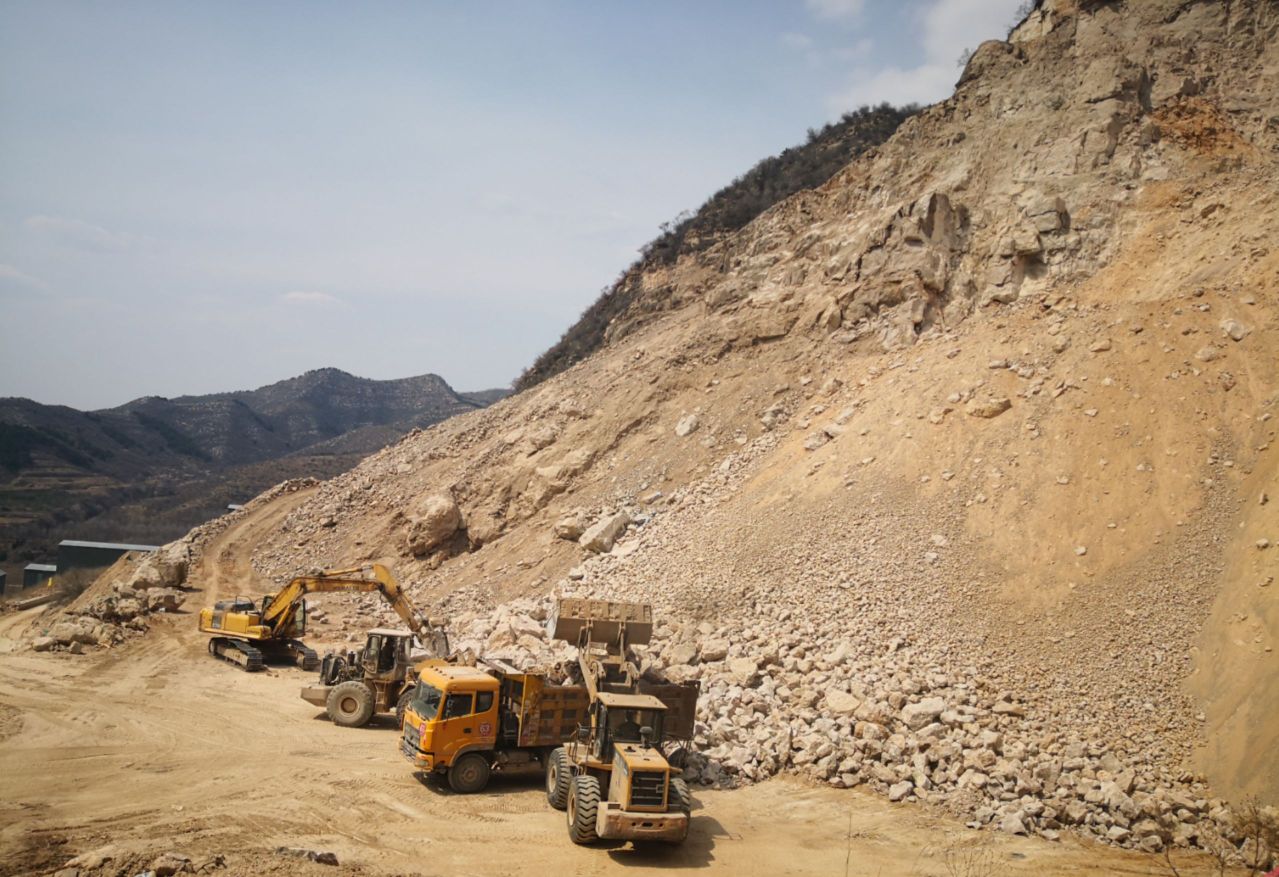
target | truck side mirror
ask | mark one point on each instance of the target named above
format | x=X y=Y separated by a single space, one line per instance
x=583 y=733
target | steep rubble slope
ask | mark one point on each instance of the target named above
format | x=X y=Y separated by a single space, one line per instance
x=954 y=476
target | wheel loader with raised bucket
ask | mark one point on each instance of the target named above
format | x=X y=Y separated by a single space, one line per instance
x=614 y=778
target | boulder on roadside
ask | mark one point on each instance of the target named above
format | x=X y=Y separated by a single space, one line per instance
x=72 y=631
x=164 y=599
x=989 y=407
x=43 y=643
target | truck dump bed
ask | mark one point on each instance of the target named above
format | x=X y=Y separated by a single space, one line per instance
x=681 y=706
x=537 y=713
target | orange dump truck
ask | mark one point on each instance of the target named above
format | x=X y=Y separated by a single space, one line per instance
x=464 y=723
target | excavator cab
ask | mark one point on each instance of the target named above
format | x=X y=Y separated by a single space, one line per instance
x=296 y=624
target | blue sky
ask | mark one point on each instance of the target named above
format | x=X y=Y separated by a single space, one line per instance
x=198 y=197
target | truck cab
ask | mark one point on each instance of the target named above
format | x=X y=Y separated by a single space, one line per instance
x=451 y=725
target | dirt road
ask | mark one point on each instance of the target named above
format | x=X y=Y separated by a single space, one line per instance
x=154 y=746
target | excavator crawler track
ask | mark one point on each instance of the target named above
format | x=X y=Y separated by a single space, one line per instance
x=236 y=652
x=306 y=658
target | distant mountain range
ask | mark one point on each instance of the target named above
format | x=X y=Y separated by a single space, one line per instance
x=116 y=472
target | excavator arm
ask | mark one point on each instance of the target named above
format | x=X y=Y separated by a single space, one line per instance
x=279 y=610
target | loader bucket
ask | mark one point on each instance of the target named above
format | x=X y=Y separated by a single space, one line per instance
x=605 y=619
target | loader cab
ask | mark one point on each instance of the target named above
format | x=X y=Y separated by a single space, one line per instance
x=632 y=721
x=385 y=651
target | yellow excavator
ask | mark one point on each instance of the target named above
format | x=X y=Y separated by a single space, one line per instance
x=246 y=633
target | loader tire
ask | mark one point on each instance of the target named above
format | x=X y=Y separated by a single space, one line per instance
x=400 y=706
x=680 y=799
x=583 y=807
x=469 y=774
x=558 y=777
x=350 y=704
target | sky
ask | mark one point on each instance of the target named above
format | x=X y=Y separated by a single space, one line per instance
x=207 y=196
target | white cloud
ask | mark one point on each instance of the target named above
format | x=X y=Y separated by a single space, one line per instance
x=832 y=10
x=310 y=297
x=12 y=278
x=79 y=234
x=797 y=41
x=947 y=28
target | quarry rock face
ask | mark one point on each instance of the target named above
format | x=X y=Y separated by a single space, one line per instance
x=920 y=389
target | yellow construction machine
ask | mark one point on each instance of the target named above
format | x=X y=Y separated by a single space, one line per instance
x=245 y=632
x=615 y=777
x=464 y=723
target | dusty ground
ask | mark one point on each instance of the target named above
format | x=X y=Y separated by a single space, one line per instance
x=154 y=747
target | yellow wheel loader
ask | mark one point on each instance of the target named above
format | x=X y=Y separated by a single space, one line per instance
x=246 y=633
x=379 y=678
x=614 y=778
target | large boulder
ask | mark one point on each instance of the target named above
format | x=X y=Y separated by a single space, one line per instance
x=163 y=599
x=601 y=535
x=435 y=522
x=73 y=631
x=571 y=526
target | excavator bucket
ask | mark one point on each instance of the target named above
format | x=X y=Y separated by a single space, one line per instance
x=605 y=619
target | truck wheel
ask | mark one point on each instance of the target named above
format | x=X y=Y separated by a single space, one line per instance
x=400 y=706
x=583 y=806
x=469 y=774
x=558 y=777
x=350 y=704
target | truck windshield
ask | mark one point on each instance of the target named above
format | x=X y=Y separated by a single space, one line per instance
x=426 y=700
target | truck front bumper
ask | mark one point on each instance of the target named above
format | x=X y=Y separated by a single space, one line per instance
x=420 y=759
x=614 y=823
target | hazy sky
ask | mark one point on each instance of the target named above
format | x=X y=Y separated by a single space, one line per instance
x=198 y=197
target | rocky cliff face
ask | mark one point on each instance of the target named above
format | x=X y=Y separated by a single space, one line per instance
x=954 y=477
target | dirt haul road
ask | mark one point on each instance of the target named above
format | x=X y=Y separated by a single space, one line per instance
x=119 y=756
